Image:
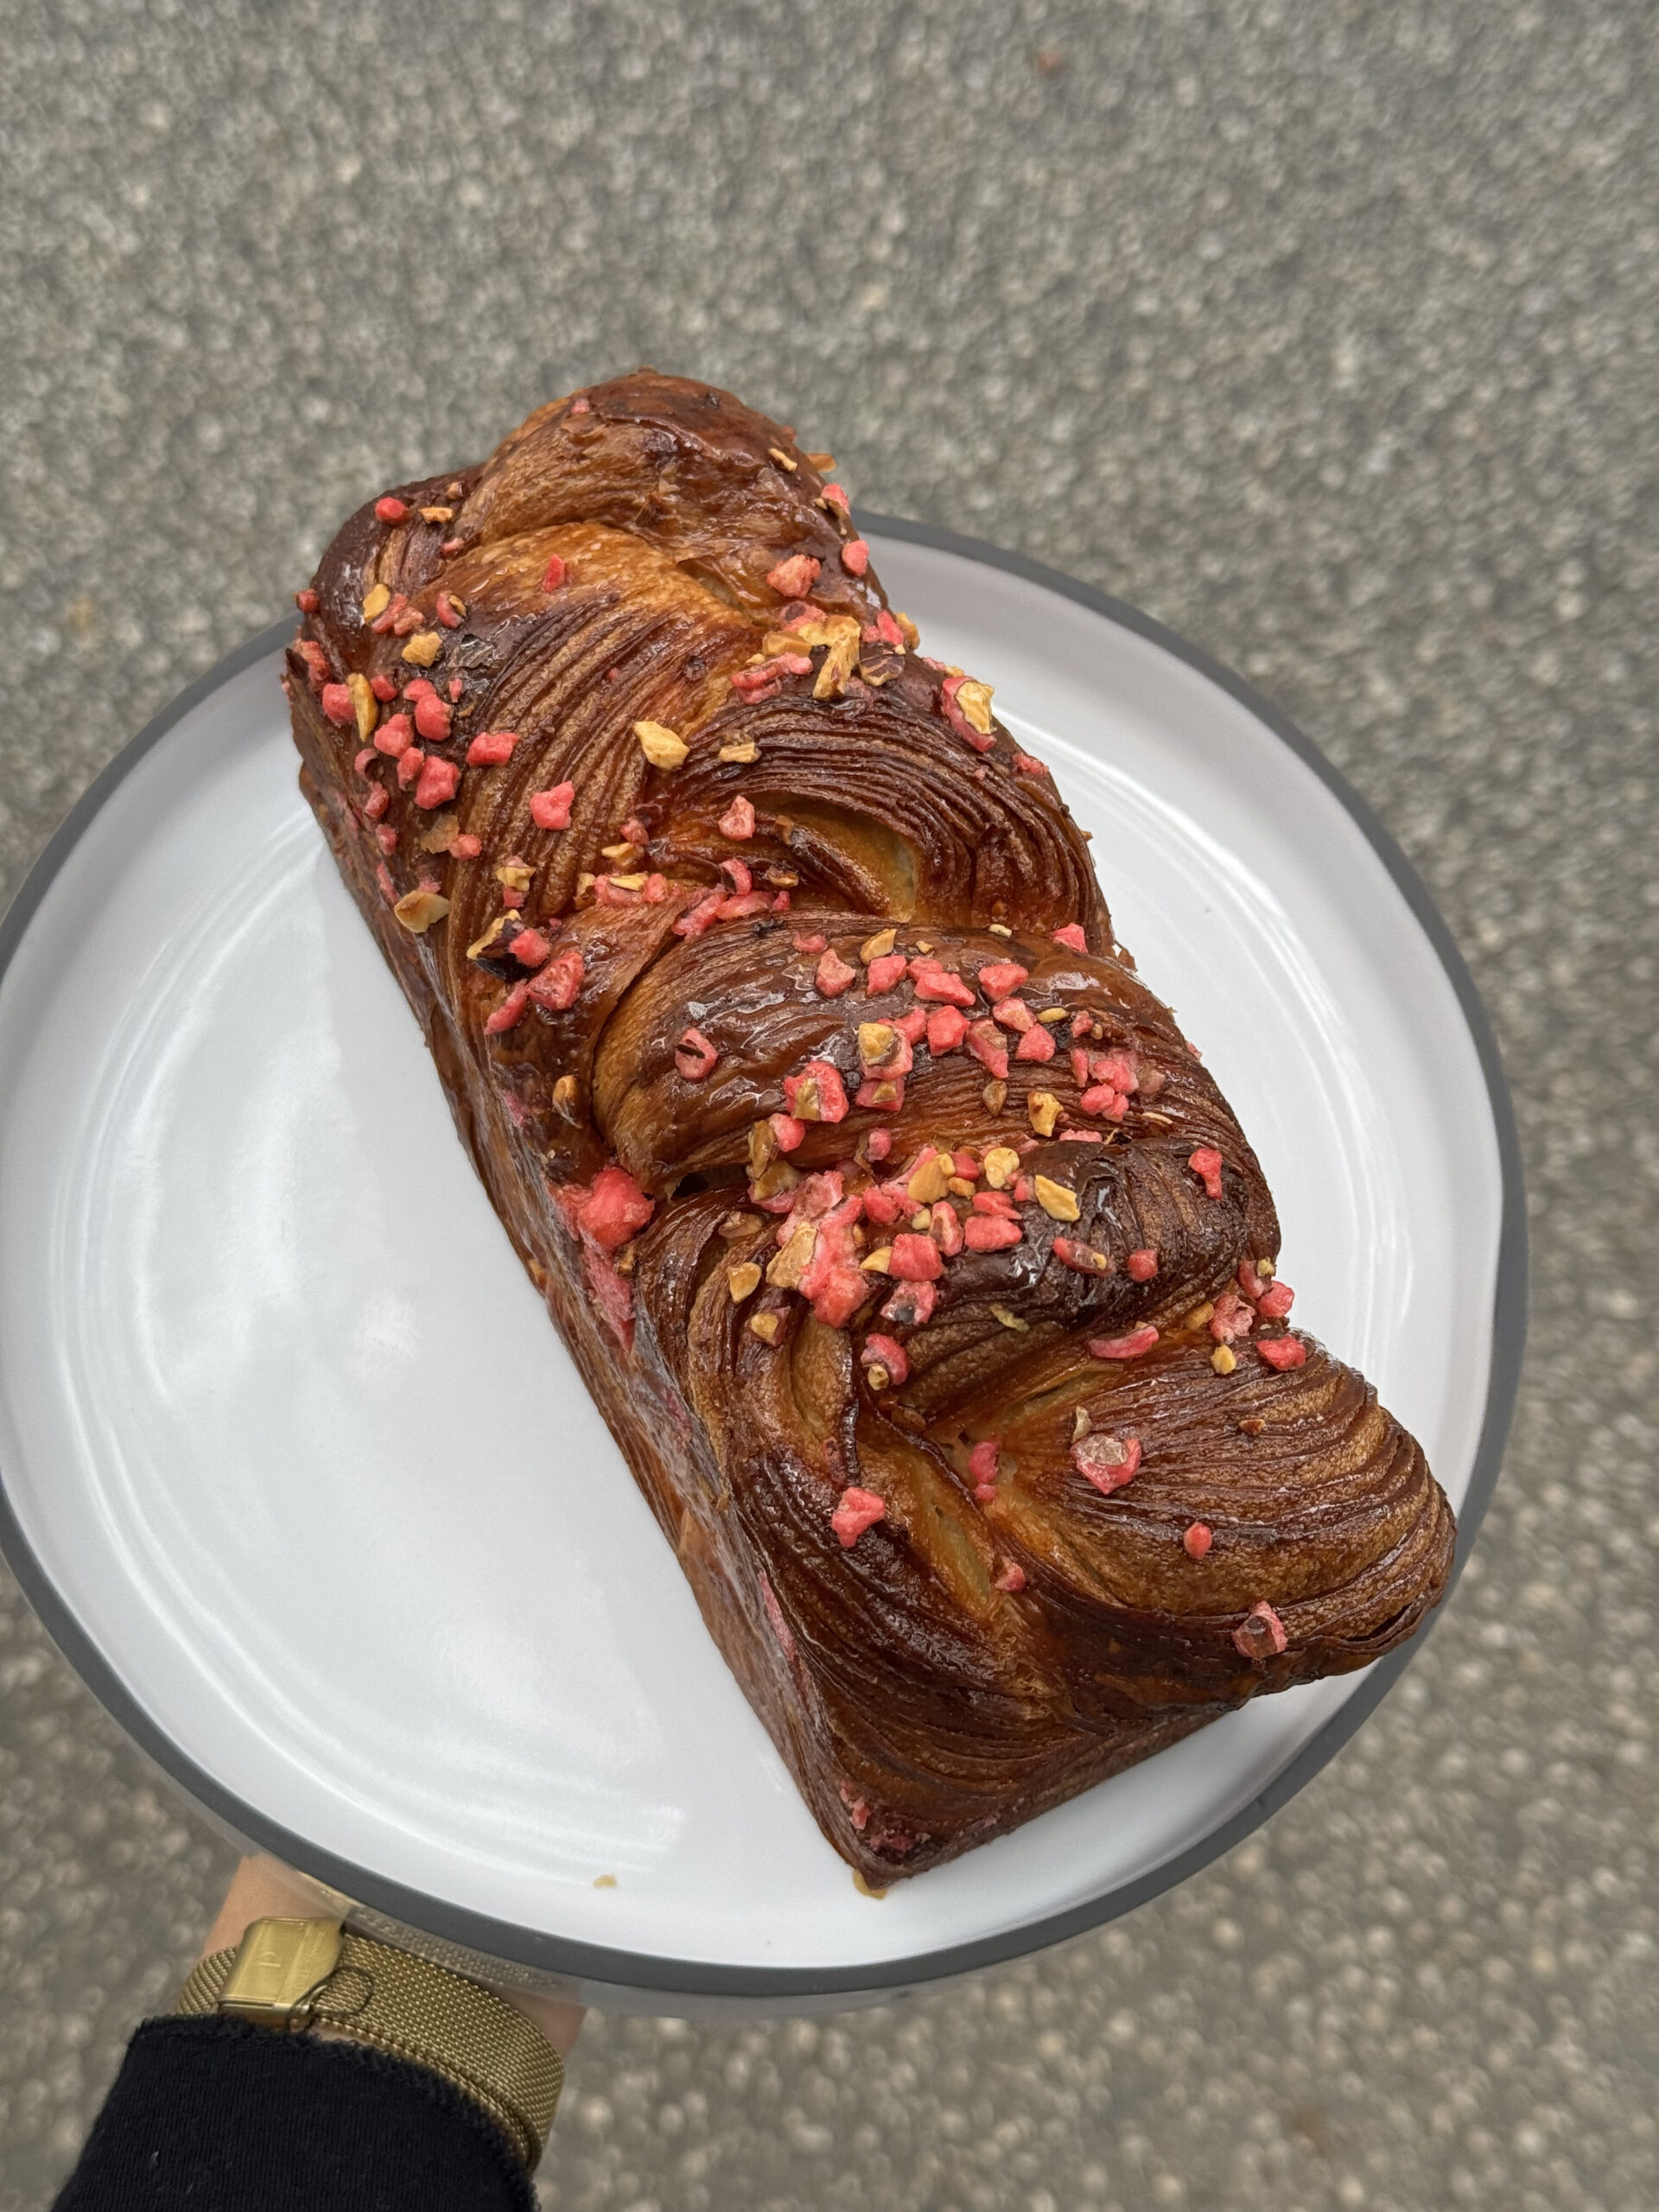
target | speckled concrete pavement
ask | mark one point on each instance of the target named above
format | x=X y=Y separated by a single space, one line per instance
x=1325 y=331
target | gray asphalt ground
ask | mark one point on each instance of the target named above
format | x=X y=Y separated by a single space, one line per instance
x=1326 y=332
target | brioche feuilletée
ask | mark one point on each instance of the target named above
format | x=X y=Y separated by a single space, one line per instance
x=920 y=1270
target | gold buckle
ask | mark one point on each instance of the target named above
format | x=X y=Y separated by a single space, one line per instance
x=279 y=1969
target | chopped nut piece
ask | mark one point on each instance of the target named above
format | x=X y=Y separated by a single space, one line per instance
x=623 y=853
x=776 y=453
x=440 y=836
x=514 y=874
x=1223 y=1359
x=376 y=600
x=742 y=752
x=661 y=745
x=1051 y=1014
x=879 y=1261
x=882 y=1048
x=843 y=637
x=564 y=1096
x=1056 y=1201
x=766 y=1326
x=792 y=1263
x=995 y=1096
x=1008 y=1320
x=418 y=910
x=931 y=1181
x=366 y=705
x=773 y=1181
x=998 y=929
x=1200 y=1315
x=824 y=462
x=422 y=648
x=437 y=514
x=1002 y=1165
x=974 y=704
x=1043 y=1108
x=877 y=947
x=743 y=1282
x=483 y=943
x=1081 y=1424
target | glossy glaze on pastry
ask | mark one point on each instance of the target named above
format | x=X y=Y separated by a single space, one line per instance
x=922 y=1272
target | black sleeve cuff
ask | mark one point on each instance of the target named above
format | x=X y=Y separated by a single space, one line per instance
x=212 y=2112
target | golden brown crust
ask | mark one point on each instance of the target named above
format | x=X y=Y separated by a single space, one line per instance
x=921 y=1271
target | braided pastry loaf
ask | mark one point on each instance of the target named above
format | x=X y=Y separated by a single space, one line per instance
x=921 y=1273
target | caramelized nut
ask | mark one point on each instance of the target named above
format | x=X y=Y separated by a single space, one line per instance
x=1002 y=1165
x=1056 y=1200
x=418 y=910
x=365 y=705
x=931 y=1181
x=440 y=836
x=661 y=745
x=1043 y=1108
x=974 y=703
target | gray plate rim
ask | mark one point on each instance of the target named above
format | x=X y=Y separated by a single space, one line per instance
x=560 y=1956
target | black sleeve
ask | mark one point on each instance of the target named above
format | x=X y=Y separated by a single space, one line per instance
x=218 y=2116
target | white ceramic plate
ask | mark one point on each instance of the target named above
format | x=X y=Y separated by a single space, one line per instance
x=303 y=1481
